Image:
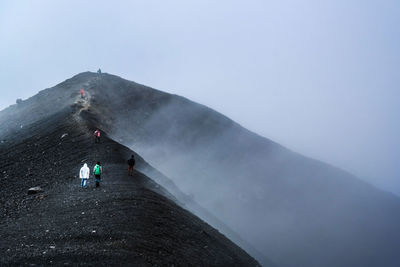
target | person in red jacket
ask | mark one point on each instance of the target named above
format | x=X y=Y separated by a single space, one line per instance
x=82 y=93
x=96 y=136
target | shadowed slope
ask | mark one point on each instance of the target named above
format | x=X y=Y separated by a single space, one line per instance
x=127 y=221
x=300 y=211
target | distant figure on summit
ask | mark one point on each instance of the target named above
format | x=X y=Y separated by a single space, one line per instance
x=99 y=71
x=96 y=135
x=97 y=171
x=84 y=175
x=131 y=163
x=82 y=93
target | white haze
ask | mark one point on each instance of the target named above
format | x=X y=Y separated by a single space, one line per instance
x=320 y=77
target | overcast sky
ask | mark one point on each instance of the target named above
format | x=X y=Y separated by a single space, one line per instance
x=320 y=77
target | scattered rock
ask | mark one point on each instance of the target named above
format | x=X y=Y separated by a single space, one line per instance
x=35 y=190
x=40 y=197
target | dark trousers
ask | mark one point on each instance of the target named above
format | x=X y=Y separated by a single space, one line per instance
x=130 y=170
x=97 y=139
x=97 y=179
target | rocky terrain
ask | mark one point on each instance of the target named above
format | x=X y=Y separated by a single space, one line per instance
x=127 y=221
x=292 y=209
x=277 y=205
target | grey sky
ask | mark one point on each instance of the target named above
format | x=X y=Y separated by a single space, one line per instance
x=320 y=77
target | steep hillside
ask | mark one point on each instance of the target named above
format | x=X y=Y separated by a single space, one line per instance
x=299 y=211
x=127 y=221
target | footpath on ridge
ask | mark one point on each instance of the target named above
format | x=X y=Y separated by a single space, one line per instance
x=128 y=220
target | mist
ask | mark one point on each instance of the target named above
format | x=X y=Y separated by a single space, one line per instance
x=275 y=203
x=268 y=199
x=297 y=116
x=318 y=77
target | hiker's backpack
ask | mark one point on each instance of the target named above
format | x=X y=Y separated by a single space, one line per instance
x=97 y=170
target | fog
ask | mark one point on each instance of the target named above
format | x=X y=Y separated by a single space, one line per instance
x=274 y=203
x=320 y=77
x=282 y=205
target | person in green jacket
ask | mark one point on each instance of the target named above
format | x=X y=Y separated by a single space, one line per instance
x=97 y=171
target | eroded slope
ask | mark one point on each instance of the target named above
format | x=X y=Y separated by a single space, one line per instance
x=127 y=221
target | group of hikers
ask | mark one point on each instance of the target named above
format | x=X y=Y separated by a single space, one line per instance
x=84 y=172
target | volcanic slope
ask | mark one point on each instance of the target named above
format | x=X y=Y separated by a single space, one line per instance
x=126 y=221
x=296 y=210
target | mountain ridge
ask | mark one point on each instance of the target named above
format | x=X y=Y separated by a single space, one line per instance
x=260 y=189
x=128 y=221
x=295 y=210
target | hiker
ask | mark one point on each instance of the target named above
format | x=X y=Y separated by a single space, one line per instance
x=97 y=171
x=96 y=136
x=131 y=163
x=99 y=71
x=82 y=93
x=84 y=175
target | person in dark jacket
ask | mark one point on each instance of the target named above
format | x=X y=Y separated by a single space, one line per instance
x=131 y=163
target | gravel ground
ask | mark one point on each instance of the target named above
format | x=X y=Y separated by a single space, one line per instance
x=128 y=220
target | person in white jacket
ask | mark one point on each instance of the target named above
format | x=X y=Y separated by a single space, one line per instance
x=84 y=175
